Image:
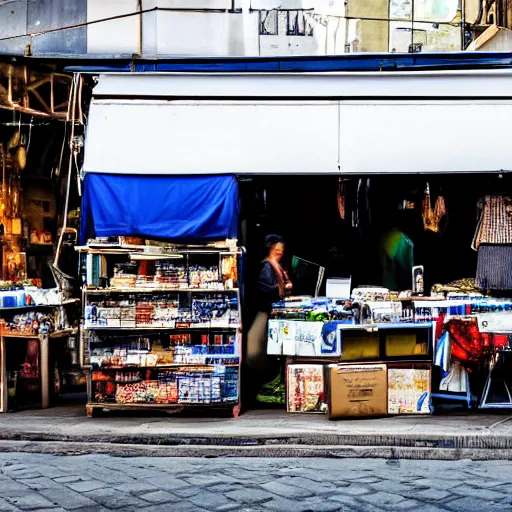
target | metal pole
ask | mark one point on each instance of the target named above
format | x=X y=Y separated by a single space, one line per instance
x=463 y=25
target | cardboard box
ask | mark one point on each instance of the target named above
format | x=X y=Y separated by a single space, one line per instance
x=358 y=390
x=409 y=390
x=305 y=387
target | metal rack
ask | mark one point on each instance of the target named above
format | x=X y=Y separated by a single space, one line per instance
x=212 y=384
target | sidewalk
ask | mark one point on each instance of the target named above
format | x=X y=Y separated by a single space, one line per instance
x=267 y=433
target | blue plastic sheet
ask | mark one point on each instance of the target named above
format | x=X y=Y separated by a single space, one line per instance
x=174 y=208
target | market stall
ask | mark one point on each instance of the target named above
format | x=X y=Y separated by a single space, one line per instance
x=39 y=352
x=373 y=350
x=161 y=297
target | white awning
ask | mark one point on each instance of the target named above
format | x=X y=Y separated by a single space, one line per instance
x=300 y=124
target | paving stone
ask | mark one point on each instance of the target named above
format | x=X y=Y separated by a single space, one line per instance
x=169 y=483
x=394 y=486
x=250 y=495
x=25 y=474
x=12 y=488
x=430 y=495
x=205 y=480
x=95 y=508
x=319 y=504
x=484 y=494
x=355 y=490
x=158 y=497
x=306 y=483
x=180 y=506
x=345 y=501
x=284 y=505
x=471 y=504
x=40 y=483
x=187 y=492
x=431 y=483
x=112 y=498
x=72 y=478
x=88 y=485
x=29 y=501
x=225 y=488
x=210 y=500
x=136 y=487
x=366 y=480
x=67 y=498
x=287 y=491
x=7 y=507
x=390 y=501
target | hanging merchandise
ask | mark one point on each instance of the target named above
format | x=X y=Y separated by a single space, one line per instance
x=455 y=380
x=495 y=221
x=467 y=345
x=494 y=267
x=440 y=208
x=342 y=191
x=362 y=216
x=430 y=219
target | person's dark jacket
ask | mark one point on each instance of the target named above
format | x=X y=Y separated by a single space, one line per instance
x=268 y=288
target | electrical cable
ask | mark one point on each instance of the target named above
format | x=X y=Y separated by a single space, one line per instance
x=76 y=79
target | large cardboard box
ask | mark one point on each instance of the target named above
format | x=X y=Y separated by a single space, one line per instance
x=358 y=390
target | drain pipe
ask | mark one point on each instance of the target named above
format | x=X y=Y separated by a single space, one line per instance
x=141 y=27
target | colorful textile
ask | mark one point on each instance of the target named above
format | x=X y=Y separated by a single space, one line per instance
x=467 y=346
x=495 y=221
x=494 y=267
x=396 y=252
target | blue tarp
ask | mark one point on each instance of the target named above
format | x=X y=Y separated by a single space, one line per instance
x=175 y=208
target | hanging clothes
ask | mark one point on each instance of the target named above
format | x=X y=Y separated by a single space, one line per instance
x=430 y=220
x=455 y=380
x=396 y=259
x=362 y=217
x=440 y=208
x=494 y=222
x=442 y=356
x=342 y=198
x=494 y=267
x=467 y=346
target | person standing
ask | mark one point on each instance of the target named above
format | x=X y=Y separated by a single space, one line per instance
x=273 y=286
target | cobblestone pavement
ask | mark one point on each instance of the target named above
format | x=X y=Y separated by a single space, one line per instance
x=44 y=483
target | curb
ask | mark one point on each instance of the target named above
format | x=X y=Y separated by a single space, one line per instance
x=483 y=441
x=281 y=451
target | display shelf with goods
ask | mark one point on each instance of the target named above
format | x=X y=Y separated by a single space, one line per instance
x=162 y=333
x=36 y=357
x=428 y=346
x=315 y=333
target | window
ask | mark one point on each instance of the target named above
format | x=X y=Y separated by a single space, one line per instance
x=268 y=23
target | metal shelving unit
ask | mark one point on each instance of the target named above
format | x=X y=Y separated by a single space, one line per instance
x=193 y=384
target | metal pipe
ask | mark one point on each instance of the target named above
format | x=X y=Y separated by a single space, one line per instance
x=141 y=27
x=76 y=79
x=463 y=25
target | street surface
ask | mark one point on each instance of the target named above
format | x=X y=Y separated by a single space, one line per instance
x=41 y=482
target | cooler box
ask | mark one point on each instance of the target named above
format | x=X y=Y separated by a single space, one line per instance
x=358 y=390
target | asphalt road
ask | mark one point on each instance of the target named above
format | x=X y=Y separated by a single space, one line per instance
x=41 y=482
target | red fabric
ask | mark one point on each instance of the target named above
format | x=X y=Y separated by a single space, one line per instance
x=500 y=340
x=467 y=343
x=440 y=326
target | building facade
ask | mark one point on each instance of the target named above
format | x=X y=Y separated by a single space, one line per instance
x=158 y=28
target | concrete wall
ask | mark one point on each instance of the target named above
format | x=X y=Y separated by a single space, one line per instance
x=28 y=16
x=202 y=28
